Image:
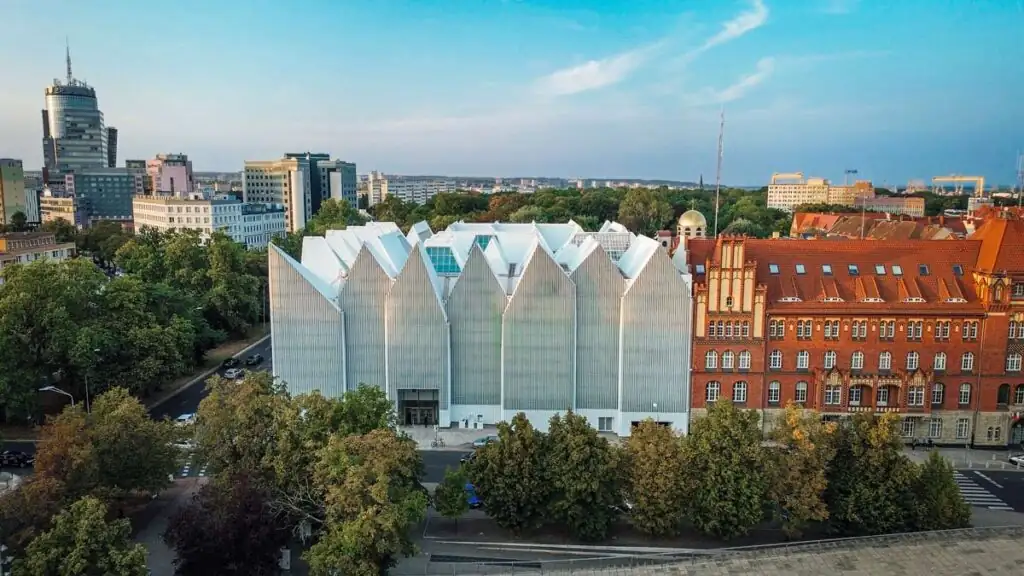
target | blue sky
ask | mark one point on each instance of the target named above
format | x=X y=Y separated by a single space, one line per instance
x=599 y=88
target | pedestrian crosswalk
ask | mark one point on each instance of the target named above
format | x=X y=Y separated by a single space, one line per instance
x=976 y=495
x=190 y=469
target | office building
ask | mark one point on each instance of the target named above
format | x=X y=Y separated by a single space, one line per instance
x=57 y=205
x=376 y=188
x=25 y=247
x=788 y=191
x=286 y=182
x=338 y=180
x=932 y=331
x=74 y=136
x=104 y=193
x=139 y=167
x=111 y=147
x=905 y=205
x=317 y=192
x=252 y=225
x=12 y=190
x=170 y=174
x=473 y=324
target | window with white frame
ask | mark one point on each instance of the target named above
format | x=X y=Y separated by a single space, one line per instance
x=1013 y=362
x=942 y=330
x=859 y=329
x=969 y=330
x=915 y=396
x=967 y=362
x=885 y=361
x=804 y=329
x=882 y=396
x=887 y=329
x=800 y=393
x=915 y=330
x=907 y=427
x=774 y=392
x=711 y=392
x=939 y=363
x=776 y=329
x=746 y=329
x=775 y=360
x=855 y=394
x=938 y=393
x=1018 y=394
x=833 y=395
x=711 y=330
x=965 y=394
x=857 y=361
x=963 y=428
x=1012 y=332
x=913 y=360
x=830 y=359
x=803 y=360
x=727 y=360
x=935 y=428
x=744 y=360
x=739 y=392
x=832 y=329
x=604 y=423
x=728 y=329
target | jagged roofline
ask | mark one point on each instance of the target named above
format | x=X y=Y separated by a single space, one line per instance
x=327 y=291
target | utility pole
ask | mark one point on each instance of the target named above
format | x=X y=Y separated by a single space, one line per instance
x=718 y=170
x=1020 y=177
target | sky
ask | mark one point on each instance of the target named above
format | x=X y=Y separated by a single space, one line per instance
x=571 y=88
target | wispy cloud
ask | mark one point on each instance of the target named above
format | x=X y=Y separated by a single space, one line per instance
x=765 y=68
x=839 y=7
x=745 y=22
x=594 y=73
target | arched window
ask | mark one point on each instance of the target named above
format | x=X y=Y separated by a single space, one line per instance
x=803 y=360
x=739 y=392
x=727 y=360
x=1003 y=395
x=800 y=394
x=857 y=361
x=940 y=361
x=744 y=360
x=746 y=329
x=967 y=362
x=830 y=359
x=938 y=393
x=711 y=360
x=913 y=360
x=711 y=330
x=965 y=394
x=775 y=360
x=774 y=392
x=728 y=329
x=712 y=391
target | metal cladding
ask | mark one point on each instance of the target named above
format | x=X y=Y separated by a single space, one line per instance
x=496 y=318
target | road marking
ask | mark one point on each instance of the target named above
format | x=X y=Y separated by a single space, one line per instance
x=976 y=495
x=986 y=478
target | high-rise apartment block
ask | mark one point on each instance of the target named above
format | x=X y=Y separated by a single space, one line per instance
x=787 y=191
x=12 y=189
x=170 y=174
x=417 y=191
x=338 y=180
x=376 y=188
x=287 y=182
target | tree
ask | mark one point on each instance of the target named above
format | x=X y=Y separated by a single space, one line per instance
x=365 y=409
x=333 y=215
x=450 y=499
x=744 y=227
x=65 y=454
x=655 y=488
x=19 y=222
x=585 y=477
x=63 y=230
x=510 y=476
x=372 y=499
x=83 y=543
x=870 y=482
x=644 y=211
x=27 y=511
x=228 y=528
x=940 y=505
x=724 y=467
x=804 y=448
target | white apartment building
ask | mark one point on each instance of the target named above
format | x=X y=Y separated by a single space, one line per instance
x=789 y=190
x=376 y=188
x=286 y=182
x=250 y=224
x=416 y=191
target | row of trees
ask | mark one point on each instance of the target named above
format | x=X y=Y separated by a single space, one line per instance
x=332 y=471
x=333 y=215
x=68 y=517
x=80 y=327
x=722 y=480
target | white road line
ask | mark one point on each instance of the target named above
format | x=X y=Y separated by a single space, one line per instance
x=987 y=479
x=1007 y=508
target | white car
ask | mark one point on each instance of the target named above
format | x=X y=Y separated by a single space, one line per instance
x=185 y=445
x=1017 y=460
x=185 y=419
x=232 y=373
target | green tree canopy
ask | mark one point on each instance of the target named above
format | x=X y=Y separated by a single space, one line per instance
x=450 y=497
x=804 y=447
x=644 y=211
x=656 y=489
x=940 y=505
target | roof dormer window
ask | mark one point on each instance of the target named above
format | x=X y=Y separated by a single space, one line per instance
x=773 y=268
x=790 y=299
x=956 y=300
x=853 y=269
x=922 y=269
x=958 y=270
x=914 y=300
x=800 y=269
x=826 y=269
x=700 y=268
x=897 y=270
x=872 y=300
x=880 y=269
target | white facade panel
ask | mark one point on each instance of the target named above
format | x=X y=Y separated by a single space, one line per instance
x=475 y=308
x=599 y=287
x=363 y=300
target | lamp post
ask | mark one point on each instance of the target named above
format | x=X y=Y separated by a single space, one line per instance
x=58 y=391
x=656 y=415
x=88 y=405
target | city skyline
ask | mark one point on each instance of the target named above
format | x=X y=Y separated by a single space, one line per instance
x=616 y=89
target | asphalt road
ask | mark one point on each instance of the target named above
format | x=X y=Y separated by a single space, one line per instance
x=992 y=489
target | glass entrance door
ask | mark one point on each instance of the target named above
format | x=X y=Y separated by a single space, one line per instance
x=419 y=416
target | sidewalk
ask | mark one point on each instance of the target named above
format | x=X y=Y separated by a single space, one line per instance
x=159 y=556
x=965 y=458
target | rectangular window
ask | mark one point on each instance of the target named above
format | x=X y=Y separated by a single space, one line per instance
x=826 y=269
x=915 y=396
x=604 y=423
x=855 y=394
x=773 y=268
x=963 y=428
x=897 y=270
x=853 y=269
x=935 y=428
x=882 y=397
x=880 y=269
x=800 y=269
x=774 y=393
x=907 y=427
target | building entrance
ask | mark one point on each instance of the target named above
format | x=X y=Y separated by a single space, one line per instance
x=418 y=407
x=1017 y=434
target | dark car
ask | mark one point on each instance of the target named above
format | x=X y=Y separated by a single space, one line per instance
x=254 y=360
x=467 y=458
x=16 y=459
x=231 y=362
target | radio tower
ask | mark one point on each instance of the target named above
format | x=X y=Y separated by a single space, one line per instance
x=718 y=170
x=67 y=53
x=1020 y=177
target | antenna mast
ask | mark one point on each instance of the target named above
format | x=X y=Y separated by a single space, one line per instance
x=718 y=170
x=67 y=52
x=1020 y=178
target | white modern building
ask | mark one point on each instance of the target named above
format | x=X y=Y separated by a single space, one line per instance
x=250 y=224
x=287 y=182
x=338 y=180
x=468 y=326
x=417 y=191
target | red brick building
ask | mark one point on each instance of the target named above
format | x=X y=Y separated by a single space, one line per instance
x=930 y=330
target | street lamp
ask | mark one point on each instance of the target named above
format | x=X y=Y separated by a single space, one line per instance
x=58 y=391
x=656 y=415
x=88 y=405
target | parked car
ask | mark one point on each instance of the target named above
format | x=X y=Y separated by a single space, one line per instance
x=481 y=442
x=232 y=373
x=231 y=362
x=467 y=457
x=185 y=419
x=185 y=445
x=254 y=360
x=1017 y=460
x=16 y=459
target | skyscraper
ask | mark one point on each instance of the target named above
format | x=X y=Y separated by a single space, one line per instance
x=74 y=136
x=111 y=147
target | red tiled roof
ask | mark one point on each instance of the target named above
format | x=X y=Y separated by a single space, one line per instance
x=878 y=226
x=938 y=284
x=1002 y=245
